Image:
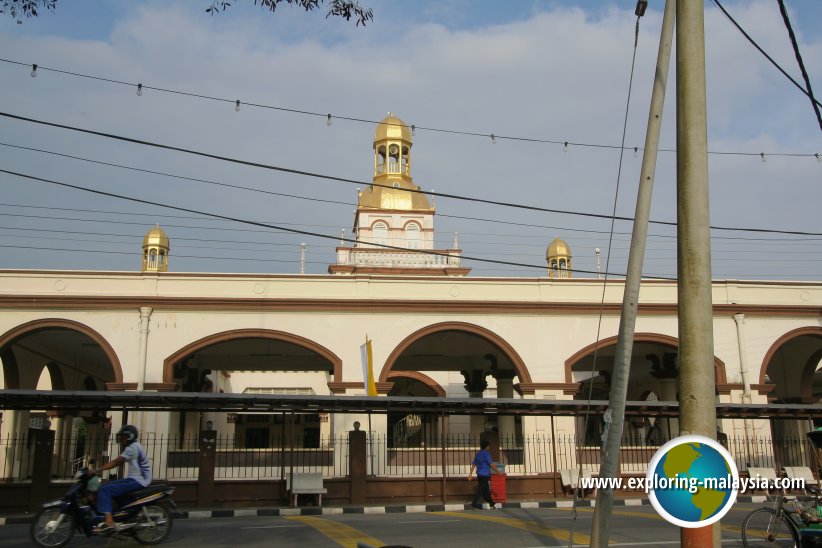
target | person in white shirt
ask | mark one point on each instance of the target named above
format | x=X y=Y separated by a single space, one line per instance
x=139 y=475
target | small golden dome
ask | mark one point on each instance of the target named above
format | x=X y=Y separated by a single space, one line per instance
x=156 y=237
x=392 y=127
x=558 y=248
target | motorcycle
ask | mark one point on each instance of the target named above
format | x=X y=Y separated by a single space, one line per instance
x=143 y=514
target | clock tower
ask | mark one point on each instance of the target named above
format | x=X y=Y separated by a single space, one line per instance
x=394 y=221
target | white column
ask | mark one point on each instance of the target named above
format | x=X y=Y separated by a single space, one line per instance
x=667 y=392
x=145 y=317
x=475 y=385
x=507 y=428
x=477 y=422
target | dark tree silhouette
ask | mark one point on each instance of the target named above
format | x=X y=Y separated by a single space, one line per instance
x=25 y=8
x=347 y=9
x=336 y=8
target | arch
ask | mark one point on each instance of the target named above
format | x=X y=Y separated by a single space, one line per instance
x=781 y=341
x=502 y=344
x=435 y=387
x=168 y=363
x=719 y=365
x=58 y=323
x=806 y=387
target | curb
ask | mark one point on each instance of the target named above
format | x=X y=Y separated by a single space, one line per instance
x=393 y=509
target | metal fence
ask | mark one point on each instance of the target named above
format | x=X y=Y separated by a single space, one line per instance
x=175 y=457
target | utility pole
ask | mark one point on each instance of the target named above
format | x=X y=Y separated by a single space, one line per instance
x=630 y=299
x=697 y=402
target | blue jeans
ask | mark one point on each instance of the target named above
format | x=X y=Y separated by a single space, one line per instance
x=112 y=489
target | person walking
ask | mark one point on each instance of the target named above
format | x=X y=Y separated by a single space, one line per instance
x=483 y=463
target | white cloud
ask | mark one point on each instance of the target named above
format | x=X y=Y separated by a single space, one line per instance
x=560 y=75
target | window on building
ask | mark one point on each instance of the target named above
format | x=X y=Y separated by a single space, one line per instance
x=380 y=232
x=412 y=235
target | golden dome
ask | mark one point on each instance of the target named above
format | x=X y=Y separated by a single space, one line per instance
x=156 y=237
x=394 y=197
x=558 y=248
x=392 y=127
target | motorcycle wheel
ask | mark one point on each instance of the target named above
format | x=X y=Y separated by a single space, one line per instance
x=155 y=528
x=50 y=537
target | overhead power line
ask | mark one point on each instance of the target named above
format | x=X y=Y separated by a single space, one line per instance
x=798 y=55
x=762 y=51
x=358 y=182
x=139 y=87
x=272 y=226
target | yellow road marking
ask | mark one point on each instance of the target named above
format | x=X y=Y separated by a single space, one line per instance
x=729 y=528
x=531 y=527
x=340 y=533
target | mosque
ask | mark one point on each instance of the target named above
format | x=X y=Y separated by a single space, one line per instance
x=435 y=331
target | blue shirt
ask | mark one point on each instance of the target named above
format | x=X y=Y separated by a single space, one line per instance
x=483 y=461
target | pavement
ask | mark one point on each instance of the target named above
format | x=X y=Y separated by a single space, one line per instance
x=17 y=519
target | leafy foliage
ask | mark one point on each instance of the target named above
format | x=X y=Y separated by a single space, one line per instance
x=28 y=8
x=337 y=8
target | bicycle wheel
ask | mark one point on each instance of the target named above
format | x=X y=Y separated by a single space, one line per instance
x=763 y=527
x=154 y=528
x=45 y=530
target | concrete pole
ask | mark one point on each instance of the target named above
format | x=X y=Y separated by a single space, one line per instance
x=630 y=299
x=697 y=384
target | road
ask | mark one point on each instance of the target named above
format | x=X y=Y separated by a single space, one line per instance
x=512 y=528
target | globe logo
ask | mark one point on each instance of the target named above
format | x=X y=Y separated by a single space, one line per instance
x=692 y=481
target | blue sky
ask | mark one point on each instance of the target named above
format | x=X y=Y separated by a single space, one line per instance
x=549 y=70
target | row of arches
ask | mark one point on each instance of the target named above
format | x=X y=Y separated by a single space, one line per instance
x=77 y=357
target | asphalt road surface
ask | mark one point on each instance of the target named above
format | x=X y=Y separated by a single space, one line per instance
x=514 y=528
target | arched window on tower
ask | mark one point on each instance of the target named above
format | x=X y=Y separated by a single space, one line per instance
x=380 y=232
x=412 y=235
x=393 y=159
x=381 y=160
x=405 y=161
x=152 y=258
x=563 y=266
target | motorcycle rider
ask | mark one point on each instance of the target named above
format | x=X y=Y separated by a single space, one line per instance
x=139 y=475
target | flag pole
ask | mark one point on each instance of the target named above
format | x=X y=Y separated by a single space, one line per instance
x=367 y=390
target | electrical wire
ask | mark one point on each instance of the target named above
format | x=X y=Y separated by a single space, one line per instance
x=271 y=226
x=413 y=127
x=346 y=180
x=809 y=92
x=762 y=51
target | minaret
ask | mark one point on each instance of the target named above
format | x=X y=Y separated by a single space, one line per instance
x=392 y=212
x=558 y=256
x=155 y=250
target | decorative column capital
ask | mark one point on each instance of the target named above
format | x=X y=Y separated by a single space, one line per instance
x=475 y=380
x=504 y=374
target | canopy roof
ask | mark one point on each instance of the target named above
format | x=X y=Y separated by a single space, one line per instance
x=67 y=400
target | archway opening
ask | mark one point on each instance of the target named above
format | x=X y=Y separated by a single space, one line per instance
x=58 y=354
x=464 y=360
x=407 y=429
x=265 y=363
x=653 y=377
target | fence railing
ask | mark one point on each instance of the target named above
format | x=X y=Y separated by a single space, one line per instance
x=175 y=457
